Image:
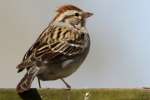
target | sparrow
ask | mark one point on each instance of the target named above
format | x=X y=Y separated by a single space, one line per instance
x=59 y=50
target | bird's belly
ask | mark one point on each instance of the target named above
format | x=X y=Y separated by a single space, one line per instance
x=57 y=71
x=62 y=68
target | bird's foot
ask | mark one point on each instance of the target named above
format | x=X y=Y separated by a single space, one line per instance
x=67 y=85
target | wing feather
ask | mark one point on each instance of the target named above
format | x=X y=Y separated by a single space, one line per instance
x=51 y=44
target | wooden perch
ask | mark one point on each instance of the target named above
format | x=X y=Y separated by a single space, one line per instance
x=76 y=94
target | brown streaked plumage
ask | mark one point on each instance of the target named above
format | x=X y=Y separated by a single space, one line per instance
x=60 y=49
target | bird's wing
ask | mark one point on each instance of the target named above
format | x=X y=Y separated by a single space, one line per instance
x=52 y=42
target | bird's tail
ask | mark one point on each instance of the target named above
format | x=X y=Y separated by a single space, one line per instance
x=26 y=81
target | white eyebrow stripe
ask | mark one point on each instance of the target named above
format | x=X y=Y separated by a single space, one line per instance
x=67 y=13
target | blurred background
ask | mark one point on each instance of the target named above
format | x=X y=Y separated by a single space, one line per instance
x=119 y=30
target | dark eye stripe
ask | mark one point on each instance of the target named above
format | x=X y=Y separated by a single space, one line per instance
x=67 y=17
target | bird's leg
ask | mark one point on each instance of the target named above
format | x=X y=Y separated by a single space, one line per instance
x=39 y=82
x=67 y=85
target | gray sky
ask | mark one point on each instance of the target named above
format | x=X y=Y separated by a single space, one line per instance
x=119 y=30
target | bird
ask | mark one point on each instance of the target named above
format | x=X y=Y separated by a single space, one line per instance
x=59 y=50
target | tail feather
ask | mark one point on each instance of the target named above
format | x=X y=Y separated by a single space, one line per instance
x=24 y=65
x=24 y=84
x=26 y=81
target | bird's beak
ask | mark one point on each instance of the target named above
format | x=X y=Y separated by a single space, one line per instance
x=87 y=14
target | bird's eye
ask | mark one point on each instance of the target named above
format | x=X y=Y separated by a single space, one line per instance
x=77 y=14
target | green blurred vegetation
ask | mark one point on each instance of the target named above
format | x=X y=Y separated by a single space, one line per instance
x=82 y=94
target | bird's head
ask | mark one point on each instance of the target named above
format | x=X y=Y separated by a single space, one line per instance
x=72 y=15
